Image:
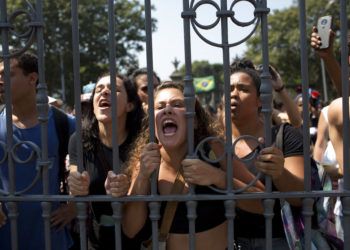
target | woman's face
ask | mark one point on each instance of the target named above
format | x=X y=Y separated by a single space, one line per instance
x=245 y=101
x=142 y=86
x=299 y=103
x=102 y=100
x=169 y=110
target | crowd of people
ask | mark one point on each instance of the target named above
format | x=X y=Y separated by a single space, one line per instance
x=139 y=158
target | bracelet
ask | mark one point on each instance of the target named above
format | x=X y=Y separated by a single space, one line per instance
x=280 y=89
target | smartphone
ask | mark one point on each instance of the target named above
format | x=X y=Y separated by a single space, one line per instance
x=323 y=27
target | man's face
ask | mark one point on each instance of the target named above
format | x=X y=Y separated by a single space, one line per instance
x=21 y=84
x=142 y=87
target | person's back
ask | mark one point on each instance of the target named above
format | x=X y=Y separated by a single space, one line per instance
x=26 y=127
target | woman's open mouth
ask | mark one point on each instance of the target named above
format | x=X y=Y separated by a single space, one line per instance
x=104 y=104
x=169 y=127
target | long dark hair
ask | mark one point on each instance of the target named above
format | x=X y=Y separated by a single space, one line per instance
x=205 y=127
x=90 y=130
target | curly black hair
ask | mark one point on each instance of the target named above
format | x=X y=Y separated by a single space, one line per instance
x=247 y=66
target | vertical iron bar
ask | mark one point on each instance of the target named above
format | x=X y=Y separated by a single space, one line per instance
x=117 y=216
x=189 y=95
x=305 y=87
x=149 y=54
x=230 y=213
x=266 y=87
x=112 y=70
x=306 y=138
x=345 y=90
x=345 y=201
x=76 y=79
x=324 y=82
x=154 y=216
x=81 y=206
x=116 y=163
x=191 y=217
x=43 y=108
x=228 y=126
x=63 y=83
x=266 y=99
x=268 y=214
x=82 y=217
x=307 y=214
x=346 y=145
x=153 y=206
x=13 y=215
x=12 y=206
x=188 y=83
x=46 y=214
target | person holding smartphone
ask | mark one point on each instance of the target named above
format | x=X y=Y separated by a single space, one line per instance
x=335 y=112
x=327 y=55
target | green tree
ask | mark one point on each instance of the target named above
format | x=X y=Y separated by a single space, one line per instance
x=284 y=41
x=93 y=38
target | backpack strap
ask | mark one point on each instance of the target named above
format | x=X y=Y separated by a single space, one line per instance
x=170 y=209
x=62 y=130
x=279 y=137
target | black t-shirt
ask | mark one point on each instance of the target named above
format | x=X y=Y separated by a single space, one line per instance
x=98 y=172
x=250 y=225
x=210 y=213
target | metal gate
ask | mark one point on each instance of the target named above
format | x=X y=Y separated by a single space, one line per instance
x=224 y=15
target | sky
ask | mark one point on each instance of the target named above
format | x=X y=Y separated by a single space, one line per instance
x=168 y=39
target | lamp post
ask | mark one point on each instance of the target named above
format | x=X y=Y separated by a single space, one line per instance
x=323 y=72
x=63 y=88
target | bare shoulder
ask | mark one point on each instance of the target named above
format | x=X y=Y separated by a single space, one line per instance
x=335 y=111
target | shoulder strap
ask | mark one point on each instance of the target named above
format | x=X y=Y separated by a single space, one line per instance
x=279 y=137
x=171 y=206
x=62 y=130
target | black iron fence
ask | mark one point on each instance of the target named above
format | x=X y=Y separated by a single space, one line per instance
x=225 y=14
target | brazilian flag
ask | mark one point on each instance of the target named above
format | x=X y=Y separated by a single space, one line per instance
x=204 y=84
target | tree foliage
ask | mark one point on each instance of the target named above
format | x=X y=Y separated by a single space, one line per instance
x=284 y=41
x=93 y=38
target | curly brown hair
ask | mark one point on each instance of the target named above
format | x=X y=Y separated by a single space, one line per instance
x=205 y=127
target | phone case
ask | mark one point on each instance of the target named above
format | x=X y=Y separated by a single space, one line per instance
x=323 y=27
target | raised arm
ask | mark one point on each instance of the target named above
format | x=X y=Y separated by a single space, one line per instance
x=331 y=63
x=289 y=104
